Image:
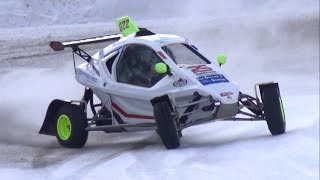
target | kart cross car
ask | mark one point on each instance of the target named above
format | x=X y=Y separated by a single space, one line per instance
x=147 y=81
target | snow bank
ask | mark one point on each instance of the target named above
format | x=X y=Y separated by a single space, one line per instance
x=28 y=13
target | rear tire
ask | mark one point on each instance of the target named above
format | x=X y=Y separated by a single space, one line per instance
x=166 y=125
x=70 y=124
x=273 y=108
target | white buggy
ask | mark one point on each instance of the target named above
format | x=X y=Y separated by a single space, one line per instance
x=148 y=81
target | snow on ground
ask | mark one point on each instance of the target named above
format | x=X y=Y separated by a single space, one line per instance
x=264 y=40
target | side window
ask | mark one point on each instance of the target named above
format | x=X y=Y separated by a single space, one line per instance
x=136 y=66
x=110 y=62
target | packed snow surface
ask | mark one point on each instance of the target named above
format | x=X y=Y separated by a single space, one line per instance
x=264 y=41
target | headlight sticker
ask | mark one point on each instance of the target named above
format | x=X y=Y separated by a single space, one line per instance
x=180 y=82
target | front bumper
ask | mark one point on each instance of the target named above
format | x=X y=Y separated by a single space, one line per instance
x=227 y=111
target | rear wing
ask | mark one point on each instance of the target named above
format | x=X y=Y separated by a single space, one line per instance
x=59 y=46
x=125 y=25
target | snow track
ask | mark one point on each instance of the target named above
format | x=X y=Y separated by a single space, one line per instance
x=278 y=45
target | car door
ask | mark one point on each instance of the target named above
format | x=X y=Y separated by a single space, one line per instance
x=134 y=75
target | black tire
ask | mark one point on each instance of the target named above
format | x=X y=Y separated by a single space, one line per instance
x=166 y=125
x=273 y=108
x=78 y=136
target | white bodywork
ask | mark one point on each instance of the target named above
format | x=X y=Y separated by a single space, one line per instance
x=132 y=103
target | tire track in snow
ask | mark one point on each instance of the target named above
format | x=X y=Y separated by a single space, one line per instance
x=93 y=164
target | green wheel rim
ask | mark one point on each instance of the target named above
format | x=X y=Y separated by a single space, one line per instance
x=281 y=109
x=64 y=127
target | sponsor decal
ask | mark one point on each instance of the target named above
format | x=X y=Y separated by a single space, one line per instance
x=81 y=73
x=198 y=69
x=206 y=73
x=226 y=94
x=212 y=79
x=180 y=82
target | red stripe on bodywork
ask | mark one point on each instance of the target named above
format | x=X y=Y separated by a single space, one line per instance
x=130 y=115
x=161 y=55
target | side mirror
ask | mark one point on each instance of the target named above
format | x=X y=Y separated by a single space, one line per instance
x=222 y=59
x=161 y=68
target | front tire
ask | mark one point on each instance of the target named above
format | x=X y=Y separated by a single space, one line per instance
x=70 y=123
x=273 y=108
x=166 y=125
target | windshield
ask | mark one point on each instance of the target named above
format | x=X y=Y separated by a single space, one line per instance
x=184 y=54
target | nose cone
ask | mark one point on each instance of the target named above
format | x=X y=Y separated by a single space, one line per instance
x=212 y=81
